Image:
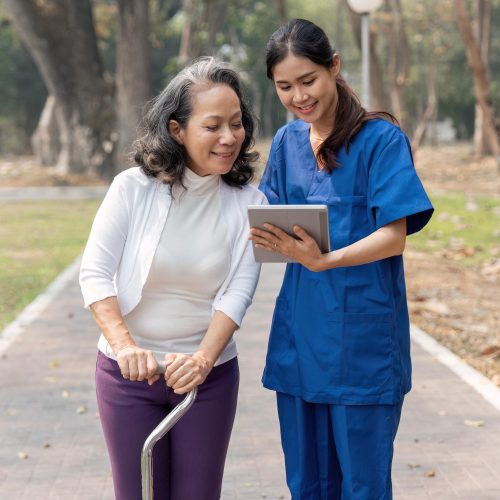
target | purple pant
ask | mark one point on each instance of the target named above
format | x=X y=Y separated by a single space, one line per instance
x=188 y=463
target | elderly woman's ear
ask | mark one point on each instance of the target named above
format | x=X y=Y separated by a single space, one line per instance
x=175 y=130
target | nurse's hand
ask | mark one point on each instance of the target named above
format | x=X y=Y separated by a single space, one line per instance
x=185 y=372
x=137 y=364
x=302 y=248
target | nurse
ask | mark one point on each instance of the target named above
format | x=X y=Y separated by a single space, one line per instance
x=339 y=348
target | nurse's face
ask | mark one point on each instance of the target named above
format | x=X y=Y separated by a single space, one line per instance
x=307 y=89
x=214 y=132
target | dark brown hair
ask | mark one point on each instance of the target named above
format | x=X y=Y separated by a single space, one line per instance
x=305 y=39
x=160 y=155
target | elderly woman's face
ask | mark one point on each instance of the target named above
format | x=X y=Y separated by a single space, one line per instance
x=214 y=133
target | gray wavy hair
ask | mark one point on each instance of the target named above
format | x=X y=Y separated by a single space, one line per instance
x=160 y=155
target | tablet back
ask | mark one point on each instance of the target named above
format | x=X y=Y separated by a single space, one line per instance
x=312 y=218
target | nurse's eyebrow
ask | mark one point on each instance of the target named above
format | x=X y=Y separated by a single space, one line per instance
x=305 y=75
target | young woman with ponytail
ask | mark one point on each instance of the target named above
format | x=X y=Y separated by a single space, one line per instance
x=339 y=348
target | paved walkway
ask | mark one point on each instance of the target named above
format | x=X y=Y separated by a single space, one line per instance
x=12 y=194
x=51 y=445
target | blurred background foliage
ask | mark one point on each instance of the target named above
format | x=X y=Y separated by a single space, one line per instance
x=417 y=44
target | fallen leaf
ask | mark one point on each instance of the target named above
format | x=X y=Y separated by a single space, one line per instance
x=413 y=466
x=46 y=444
x=492 y=351
x=81 y=410
x=468 y=251
x=65 y=394
x=430 y=473
x=442 y=413
x=435 y=307
x=491 y=268
x=50 y=380
x=22 y=455
x=55 y=363
x=11 y=412
x=474 y=423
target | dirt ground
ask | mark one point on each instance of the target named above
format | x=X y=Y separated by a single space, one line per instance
x=452 y=300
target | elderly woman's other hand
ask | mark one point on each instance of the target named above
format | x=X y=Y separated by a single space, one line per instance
x=185 y=372
x=137 y=364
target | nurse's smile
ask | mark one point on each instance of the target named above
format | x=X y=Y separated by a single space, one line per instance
x=305 y=110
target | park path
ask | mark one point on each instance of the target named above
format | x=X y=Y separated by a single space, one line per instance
x=51 y=446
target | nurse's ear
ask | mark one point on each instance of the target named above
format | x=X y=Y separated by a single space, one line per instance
x=335 y=69
x=176 y=131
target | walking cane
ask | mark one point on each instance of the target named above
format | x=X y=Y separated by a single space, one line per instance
x=161 y=429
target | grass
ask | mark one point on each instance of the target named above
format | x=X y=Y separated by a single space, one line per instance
x=38 y=240
x=464 y=224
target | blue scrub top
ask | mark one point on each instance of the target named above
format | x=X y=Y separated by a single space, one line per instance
x=341 y=336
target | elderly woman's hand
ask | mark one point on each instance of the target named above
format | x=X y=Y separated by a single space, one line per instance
x=302 y=248
x=137 y=364
x=185 y=372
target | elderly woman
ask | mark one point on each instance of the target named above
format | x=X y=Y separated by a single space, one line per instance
x=168 y=273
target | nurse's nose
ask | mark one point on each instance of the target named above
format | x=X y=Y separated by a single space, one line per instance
x=300 y=97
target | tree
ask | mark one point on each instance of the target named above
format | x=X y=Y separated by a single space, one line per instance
x=61 y=39
x=132 y=74
x=85 y=125
x=481 y=79
x=482 y=29
x=399 y=62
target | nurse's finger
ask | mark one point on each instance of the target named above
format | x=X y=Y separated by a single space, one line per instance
x=279 y=233
x=302 y=234
x=261 y=233
x=264 y=240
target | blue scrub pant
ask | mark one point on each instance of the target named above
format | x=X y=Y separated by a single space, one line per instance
x=337 y=451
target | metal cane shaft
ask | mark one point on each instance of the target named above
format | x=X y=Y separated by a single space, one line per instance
x=163 y=427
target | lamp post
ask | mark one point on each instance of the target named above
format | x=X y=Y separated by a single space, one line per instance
x=364 y=8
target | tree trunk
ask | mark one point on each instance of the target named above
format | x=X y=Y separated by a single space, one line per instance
x=45 y=138
x=60 y=36
x=377 y=94
x=482 y=28
x=430 y=113
x=338 y=43
x=216 y=11
x=186 y=36
x=132 y=74
x=398 y=63
x=267 y=119
x=281 y=9
x=481 y=79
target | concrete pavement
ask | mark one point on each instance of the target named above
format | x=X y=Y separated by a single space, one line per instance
x=51 y=445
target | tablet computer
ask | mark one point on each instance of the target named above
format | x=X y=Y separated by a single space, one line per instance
x=312 y=218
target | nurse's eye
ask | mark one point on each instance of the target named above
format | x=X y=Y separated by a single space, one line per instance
x=308 y=82
x=212 y=128
x=237 y=125
x=285 y=87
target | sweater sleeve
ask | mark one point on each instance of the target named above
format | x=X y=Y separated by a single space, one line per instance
x=239 y=292
x=105 y=245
